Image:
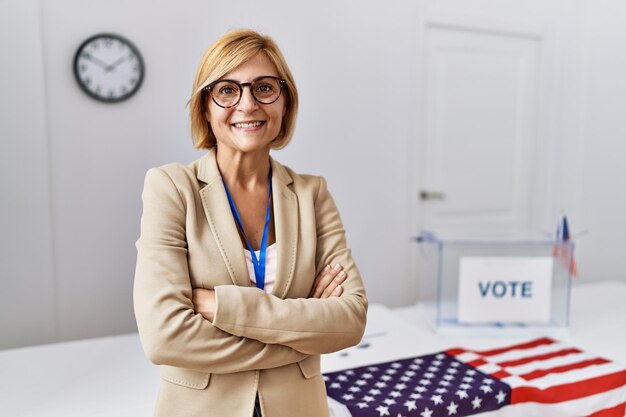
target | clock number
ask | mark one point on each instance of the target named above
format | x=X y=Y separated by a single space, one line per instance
x=108 y=42
x=85 y=55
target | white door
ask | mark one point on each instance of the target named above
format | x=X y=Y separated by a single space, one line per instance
x=482 y=143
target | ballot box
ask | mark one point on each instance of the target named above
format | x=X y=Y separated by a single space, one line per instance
x=495 y=285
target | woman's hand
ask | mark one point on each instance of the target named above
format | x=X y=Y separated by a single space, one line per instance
x=328 y=282
x=204 y=303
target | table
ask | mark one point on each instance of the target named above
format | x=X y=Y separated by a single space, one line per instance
x=110 y=376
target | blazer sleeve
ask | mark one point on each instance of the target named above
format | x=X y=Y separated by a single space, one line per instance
x=171 y=332
x=308 y=325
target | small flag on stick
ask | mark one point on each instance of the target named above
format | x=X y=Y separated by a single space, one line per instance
x=564 y=249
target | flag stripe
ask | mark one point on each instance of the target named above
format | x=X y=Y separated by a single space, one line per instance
x=551 y=363
x=617 y=411
x=580 y=407
x=527 y=345
x=525 y=353
x=579 y=375
x=569 y=391
x=542 y=357
x=560 y=369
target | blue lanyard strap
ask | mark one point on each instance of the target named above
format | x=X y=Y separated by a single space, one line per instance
x=259 y=264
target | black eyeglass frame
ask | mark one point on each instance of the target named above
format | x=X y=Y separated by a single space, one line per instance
x=282 y=83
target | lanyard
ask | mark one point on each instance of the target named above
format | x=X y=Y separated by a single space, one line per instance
x=259 y=264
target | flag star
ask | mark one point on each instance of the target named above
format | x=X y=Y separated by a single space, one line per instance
x=381 y=384
x=366 y=376
x=414 y=366
x=384 y=411
x=410 y=373
x=470 y=372
x=440 y=356
x=396 y=365
x=436 y=399
x=391 y=371
x=448 y=377
x=385 y=377
x=426 y=413
x=452 y=408
x=374 y=391
x=362 y=405
x=342 y=378
x=465 y=386
x=419 y=388
x=372 y=368
x=501 y=397
x=350 y=372
x=485 y=388
x=452 y=371
x=389 y=401
x=400 y=415
x=433 y=368
x=410 y=405
x=462 y=394
x=424 y=382
x=468 y=379
x=441 y=390
x=415 y=396
x=455 y=364
x=476 y=402
x=335 y=385
x=326 y=378
x=368 y=398
x=487 y=381
x=444 y=383
x=395 y=394
x=405 y=378
x=354 y=389
x=418 y=360
x=361 y=382
x=347 y=397
x=436 y=363
x=400 y=387
x=429 y=375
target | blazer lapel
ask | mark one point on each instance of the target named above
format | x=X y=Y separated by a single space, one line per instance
x=286 y=225
x=221 y=221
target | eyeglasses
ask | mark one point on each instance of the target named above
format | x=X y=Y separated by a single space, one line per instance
x=227 y=93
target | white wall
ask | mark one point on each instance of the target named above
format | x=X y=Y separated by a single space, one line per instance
x=601 y=252
x=27 y=286
x=78 y=177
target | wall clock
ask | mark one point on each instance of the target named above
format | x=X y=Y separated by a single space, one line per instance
x=108 y=67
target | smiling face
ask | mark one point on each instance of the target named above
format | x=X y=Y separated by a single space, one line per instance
x=250 y=126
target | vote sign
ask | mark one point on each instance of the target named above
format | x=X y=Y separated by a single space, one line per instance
x=505 y=289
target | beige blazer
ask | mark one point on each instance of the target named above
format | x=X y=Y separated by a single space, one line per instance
x=258 y=342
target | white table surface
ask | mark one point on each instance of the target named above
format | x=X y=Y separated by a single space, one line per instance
x=110 y=377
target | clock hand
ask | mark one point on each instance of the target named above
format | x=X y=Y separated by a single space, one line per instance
x=97 y=61
x=115 y=64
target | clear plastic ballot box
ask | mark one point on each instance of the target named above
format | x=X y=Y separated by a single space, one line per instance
x=495 y=286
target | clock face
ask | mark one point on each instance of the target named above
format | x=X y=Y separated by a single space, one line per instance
x=108 y=68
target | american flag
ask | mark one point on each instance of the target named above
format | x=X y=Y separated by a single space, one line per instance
x=539 y=378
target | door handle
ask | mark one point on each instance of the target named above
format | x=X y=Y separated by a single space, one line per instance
x=432 y=195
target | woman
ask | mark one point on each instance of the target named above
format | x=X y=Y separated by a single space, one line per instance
x=237 y=337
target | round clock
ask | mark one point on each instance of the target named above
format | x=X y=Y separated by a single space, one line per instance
x=108 y=67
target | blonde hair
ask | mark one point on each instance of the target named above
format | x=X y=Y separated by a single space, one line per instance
x=227 y=53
